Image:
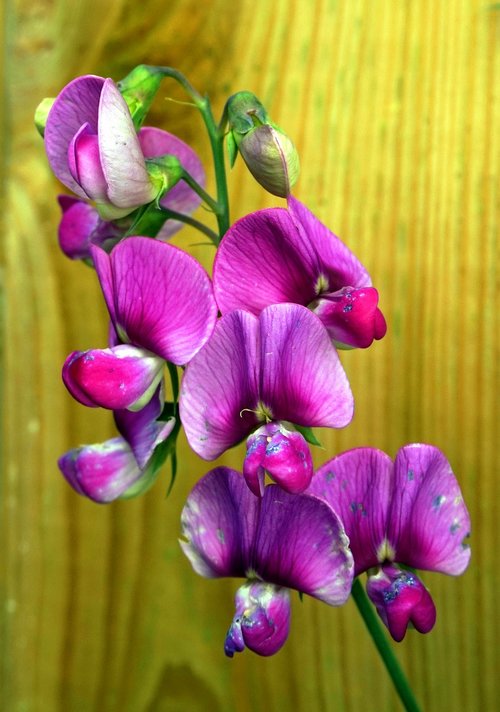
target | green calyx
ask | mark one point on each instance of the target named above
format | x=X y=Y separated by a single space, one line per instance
x=139 y=88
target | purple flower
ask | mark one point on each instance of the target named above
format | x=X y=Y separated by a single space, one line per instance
x=262 y=371
x=276 y=542
x=409 y=512
x=277 y=255
x=162 y=309
x=122 y=466
x=94 y=150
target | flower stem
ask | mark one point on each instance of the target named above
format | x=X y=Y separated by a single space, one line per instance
x=173 y=215
x=390 y=661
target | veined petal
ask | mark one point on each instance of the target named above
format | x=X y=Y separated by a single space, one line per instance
x=338 y=264
x=219 y=388
x=76 y=105
x=142 y=430
x=357 y=484
x=159 y=297
x=120 y=377
x=428 y=520
x=218 y=523
x=122 y=159
x=263 y=259
x=101 y=472
x=300 y=543
x=181 y=198
x=302 y=379
x=85 y=164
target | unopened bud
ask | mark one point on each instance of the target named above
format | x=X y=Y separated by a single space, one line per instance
x=41 y=113
x=139 y=88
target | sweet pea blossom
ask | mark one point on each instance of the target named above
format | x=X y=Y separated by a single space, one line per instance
x=277 y=255
x=122 y=466
x=408 y=513
x=162 y=309
x=265 y=372
x=277 y=542
x=93 y=148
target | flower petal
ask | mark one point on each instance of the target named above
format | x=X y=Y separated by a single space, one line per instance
x=120 y=377
x=219 y=387
x=78 y=222
x=338 y=264
x=300 y=543
x=302 y=379
x=159 y=297
x=357 y=484
x=218 y=521
x=428 y=520
x=101 y=472
x=85 y=164
x=76 y=104
x=122 y=160
x=263 y=259
x=352 y=317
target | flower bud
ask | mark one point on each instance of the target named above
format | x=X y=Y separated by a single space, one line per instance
x=139 y=88
x=41 y=113
x=261 y=621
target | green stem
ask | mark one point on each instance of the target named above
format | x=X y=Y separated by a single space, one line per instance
x=382 y=644
x=192 y=183
x=173 y=215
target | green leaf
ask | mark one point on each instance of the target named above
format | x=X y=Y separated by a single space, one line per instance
x=308 y=434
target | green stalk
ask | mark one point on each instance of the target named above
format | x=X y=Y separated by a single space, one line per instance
x=379 y=637
x=173 y=215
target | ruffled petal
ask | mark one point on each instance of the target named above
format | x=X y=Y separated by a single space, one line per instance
x=358 y=485
x=142 y=430
x=122 y=159
x=263 y=259
x=101 y=472
x=301 y=543
x=400 y=599
x=219 y=387
x=338 y=264
x=120 y=377
x=261 y=621
x=428 y=520
x=352 y=317
x=302 y=379
x=159 y=297
x=218 y=523
x=76 y=105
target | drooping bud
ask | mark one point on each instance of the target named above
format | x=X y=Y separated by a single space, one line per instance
x=139 y=88
x=41 y=113
x=268 y=152
x=261 y=621
x=400 y=599
x=282 y=453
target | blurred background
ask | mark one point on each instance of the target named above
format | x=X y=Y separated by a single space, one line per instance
x=393 y=106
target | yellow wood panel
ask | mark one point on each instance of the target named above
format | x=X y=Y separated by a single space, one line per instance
x=394 y=108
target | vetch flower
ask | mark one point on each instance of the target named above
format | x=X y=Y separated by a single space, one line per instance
x=277 y=542
x=266 y=372
x=277 y=255
x=123 y=466
x=408 y=513
x=162 y=309
x=94 y=150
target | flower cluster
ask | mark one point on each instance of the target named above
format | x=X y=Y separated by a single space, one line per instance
x=258 y=351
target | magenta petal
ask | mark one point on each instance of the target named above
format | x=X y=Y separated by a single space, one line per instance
x=85 y=164
x=101 y=472
x=122 y=159
x=338 y=264
x=302 y=378
x=284 y=454
x=261 y=621
x=263 y=259
x=142 y=430
x=300 y=543
x=158 y=297
x=77 y=104
x=400 y=599
x=218 y=522
x=120 y=377
x=219 y=387
x=78 y=222
x=428 y=520
x=358 y=485
x=352 y=317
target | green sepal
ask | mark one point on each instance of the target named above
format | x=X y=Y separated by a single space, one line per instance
x=244 y=112
x=232 y=148
x=147 y=221
x=139 y=88
x=308 y=434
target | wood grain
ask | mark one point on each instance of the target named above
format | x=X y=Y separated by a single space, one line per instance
x=394 y=109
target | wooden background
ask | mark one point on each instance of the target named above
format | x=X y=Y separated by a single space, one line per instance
x=393 y=105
